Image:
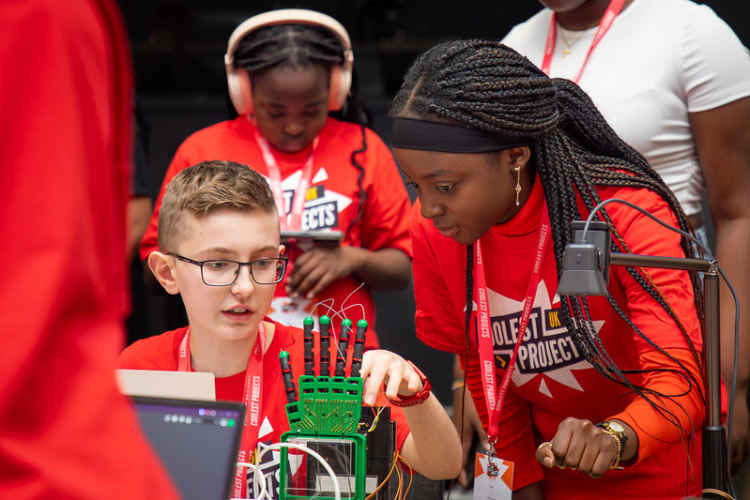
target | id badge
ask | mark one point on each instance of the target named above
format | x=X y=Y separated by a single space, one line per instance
x=493 y=478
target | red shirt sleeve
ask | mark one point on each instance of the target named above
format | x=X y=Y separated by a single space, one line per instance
x=384 y=223
x=652 y=428
x=645 y=236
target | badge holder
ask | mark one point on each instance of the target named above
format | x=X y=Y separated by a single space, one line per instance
x=493 y=477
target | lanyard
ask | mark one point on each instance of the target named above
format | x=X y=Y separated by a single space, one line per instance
x=484 y=338
x=251 y=396
x=615 y=6
x=292 y=221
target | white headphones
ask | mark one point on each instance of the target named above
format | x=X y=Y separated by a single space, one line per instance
x=240 y=90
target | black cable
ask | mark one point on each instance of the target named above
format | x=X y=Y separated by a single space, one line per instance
x=644 y=212
x=735 y=361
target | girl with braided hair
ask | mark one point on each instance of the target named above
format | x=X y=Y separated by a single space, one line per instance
x=288 y=71
x=607 y=390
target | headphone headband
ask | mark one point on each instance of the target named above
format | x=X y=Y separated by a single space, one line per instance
x=240 y=89
x=288 y=16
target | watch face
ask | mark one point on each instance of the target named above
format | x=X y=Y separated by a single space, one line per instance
x=615 y=426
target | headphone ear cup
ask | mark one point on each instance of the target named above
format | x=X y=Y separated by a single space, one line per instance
x=240 y=92
x=341 y=82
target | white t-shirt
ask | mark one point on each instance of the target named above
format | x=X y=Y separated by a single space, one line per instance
x=660 y=60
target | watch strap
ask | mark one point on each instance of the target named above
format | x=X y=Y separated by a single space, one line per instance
x=620 y=438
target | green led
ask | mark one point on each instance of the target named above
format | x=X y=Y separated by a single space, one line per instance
x=308 y=321
x=324 y=320
x=346 y=322
x=283 y=354
x=230 y=422
x=362 y=323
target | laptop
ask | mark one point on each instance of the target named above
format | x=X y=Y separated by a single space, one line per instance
x=167 y=384
x=197 y=442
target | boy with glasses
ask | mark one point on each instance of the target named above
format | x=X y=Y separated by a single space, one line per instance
x=219 y=248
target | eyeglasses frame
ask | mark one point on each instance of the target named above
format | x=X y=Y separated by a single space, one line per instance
x=201 y=263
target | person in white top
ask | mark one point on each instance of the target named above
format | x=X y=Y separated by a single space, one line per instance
x=673 y=80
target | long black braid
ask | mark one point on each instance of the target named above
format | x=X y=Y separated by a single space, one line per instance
x=301 y=46
x=485 y=85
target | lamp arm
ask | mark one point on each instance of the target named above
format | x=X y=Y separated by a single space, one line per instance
x=681 y=263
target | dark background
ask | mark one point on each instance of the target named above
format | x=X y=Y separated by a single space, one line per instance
x=178 y=50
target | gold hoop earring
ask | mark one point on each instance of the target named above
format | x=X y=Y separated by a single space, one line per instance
x=518 y=185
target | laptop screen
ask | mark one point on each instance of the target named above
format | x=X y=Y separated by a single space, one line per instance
x=197 y=441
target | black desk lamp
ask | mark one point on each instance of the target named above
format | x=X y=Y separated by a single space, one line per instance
x=586 y=264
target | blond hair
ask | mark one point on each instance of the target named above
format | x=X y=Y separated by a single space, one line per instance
x=205 y=188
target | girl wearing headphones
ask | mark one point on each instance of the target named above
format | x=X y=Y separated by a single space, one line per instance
x=286 y=70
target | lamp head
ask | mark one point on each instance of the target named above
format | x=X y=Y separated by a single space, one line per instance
x=582 y=273
x=585 y=269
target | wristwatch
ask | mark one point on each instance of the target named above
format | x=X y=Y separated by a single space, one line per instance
x=616 y=430
x=417 y=397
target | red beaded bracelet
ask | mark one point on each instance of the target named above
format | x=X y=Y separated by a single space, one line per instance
x=417 y=397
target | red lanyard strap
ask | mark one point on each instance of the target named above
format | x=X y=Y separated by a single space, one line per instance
x=293 y=221
x=251 y=397
x=614 y=8
x=484 y=335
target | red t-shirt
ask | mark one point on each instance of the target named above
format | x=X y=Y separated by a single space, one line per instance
x=552 y=379
x=332 y=201
x=161 y=352
x=65 y=430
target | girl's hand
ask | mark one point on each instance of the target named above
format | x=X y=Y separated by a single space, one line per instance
x=579 y=445
x=320 y=266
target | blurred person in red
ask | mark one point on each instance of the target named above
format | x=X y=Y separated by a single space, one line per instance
x=65 y=430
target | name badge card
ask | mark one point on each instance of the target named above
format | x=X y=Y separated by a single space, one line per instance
x=493 y=478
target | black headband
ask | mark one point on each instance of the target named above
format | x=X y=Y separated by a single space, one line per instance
x=410 y=133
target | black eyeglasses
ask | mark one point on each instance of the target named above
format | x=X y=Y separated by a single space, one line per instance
x=265 y=271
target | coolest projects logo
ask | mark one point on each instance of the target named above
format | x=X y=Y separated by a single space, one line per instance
x=322 y=206
x=547 y=346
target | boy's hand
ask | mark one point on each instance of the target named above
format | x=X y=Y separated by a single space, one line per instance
x=320 y=266
x=384 y=367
